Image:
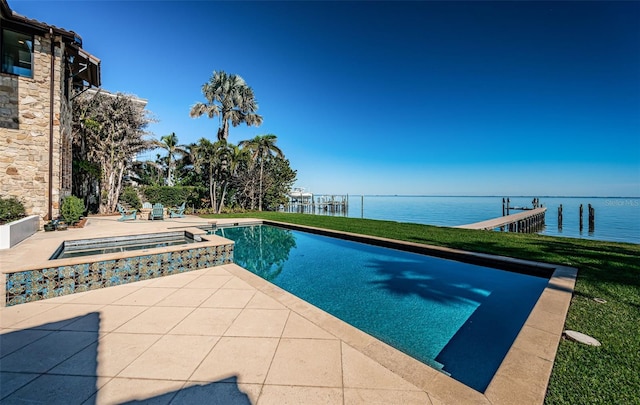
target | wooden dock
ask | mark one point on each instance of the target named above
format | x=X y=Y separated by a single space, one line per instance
x=527 y=221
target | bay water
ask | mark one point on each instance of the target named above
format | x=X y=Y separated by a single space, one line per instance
x=616 y=219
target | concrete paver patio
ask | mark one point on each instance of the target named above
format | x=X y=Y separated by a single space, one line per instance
x=223 y=335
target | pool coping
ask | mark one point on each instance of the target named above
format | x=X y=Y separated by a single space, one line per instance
x=524 y=373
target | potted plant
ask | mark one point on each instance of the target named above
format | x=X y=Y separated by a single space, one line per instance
x=71 y=210
x=11 y=209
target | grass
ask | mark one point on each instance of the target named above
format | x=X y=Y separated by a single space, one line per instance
x=609 y=374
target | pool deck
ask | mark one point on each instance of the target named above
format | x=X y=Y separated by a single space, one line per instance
x=225 y=335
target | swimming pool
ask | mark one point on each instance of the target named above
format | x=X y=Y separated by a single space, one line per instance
x=457 y=317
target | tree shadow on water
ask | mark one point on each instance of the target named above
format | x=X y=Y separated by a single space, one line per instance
x=501 y=302
x=57 y=363
x=429 y=281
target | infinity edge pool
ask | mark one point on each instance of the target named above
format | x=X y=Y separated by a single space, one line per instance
x=524 y=373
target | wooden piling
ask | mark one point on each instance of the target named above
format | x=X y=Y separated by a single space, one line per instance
x=581 y=212
x=560 y=217
x=592 y=218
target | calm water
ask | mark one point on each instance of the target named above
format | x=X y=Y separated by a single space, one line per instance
x=616 y=219
x=454 y=316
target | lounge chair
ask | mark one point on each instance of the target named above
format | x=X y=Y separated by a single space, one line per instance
x=157 y=212
x=126 y=214
x=177 y=212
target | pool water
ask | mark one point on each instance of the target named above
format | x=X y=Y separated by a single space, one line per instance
x=456 y=317
x=97 y=246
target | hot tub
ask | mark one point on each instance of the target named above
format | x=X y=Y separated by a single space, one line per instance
x=89 y=247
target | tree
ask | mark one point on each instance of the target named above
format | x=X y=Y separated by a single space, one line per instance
x=204 y=163
x=279 y=179
x=262 y=147
x=148 y=172
x=230 y=98
x=109 y=131
x=214 y=159
x=185 y=168
x=170 y=144
x=231 y=156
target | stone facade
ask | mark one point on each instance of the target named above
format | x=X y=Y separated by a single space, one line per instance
x=25 y=127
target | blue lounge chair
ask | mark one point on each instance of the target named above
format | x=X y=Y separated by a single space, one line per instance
x=126 y=214
x=157 y=212
x=177 y=212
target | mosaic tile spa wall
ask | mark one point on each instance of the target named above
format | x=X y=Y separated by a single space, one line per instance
x=55 y=281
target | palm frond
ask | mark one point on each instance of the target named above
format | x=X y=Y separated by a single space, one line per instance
x=229 y=97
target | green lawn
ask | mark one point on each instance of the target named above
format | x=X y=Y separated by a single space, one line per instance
x=609 y=374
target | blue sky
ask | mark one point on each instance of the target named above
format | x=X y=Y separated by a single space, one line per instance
x=428 y=98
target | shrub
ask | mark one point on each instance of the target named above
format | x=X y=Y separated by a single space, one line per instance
x=10 y=210
x=72 y=209
x=170 y=196
x=130 y=198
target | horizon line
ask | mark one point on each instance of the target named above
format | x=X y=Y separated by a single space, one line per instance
x=466 y=196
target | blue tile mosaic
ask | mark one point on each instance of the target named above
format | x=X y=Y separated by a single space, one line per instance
x=50 y=282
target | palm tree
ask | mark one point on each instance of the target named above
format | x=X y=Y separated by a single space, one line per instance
x=147 y=172
x=170 y=144
x=233 y=156
x=204 y=161
x=215 y=160
x=230 y=98
x=262 y=147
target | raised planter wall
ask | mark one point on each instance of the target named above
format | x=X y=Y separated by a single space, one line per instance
x=15 y=232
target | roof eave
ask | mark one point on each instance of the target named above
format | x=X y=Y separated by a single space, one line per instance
x=87 y=66
x=5 y=11
x=37 y=26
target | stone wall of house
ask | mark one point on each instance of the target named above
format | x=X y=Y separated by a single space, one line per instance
x=8 y=101
x=24 y=151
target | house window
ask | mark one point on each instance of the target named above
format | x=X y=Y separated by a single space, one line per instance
x=17 y=53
